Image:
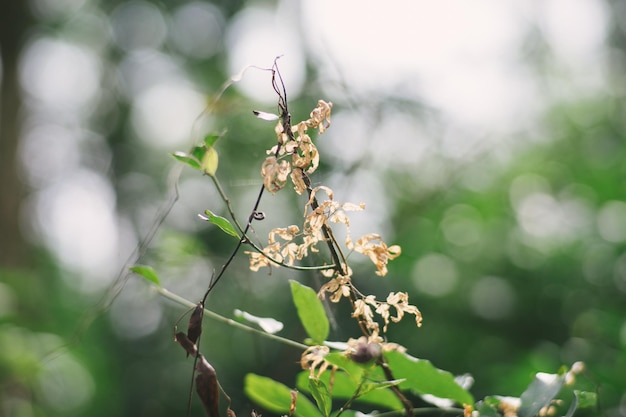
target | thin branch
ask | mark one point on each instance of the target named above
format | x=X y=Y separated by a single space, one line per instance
x=230 y=322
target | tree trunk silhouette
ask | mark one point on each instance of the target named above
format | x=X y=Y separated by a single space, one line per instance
x=14 y=21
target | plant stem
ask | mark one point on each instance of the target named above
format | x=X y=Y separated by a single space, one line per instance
x=230 y=322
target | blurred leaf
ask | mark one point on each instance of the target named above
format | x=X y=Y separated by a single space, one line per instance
x=210 y=139
x=276 y=397
x=322 y=397
x=147 y=272
x=586 y=399
x=185 y=158
x=540 y=393
x=220 y=222
x=268 y=324
x=422 y=377
x=310 y=311
x=210 y=161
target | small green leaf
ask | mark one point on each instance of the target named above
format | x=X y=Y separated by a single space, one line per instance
x=352 y=368
x=147 y=272
x=185 y=158
x=220 y=222
x=310 y=311
x=268 y=324
x=540 y=393
x=198 y=152
x=344 y=387
x=276 y=397
x=210 y=161
x=423 y=378
x=322 y=397
x=210 y=139
x=586 y=399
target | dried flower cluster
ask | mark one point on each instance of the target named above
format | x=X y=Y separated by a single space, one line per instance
x=295 y=156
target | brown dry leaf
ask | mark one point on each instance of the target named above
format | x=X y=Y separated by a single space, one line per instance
x=207 y=387
x=190 y=347
x=194 y=327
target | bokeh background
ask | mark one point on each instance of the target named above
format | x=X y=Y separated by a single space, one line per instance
x=487 y=138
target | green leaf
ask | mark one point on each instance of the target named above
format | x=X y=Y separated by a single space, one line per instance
x=344 y=387
x=355 y=370
x=276 y=397
x=268 y=324
x=210 y=161
x=147 y=272
x=586 y=399
x=220 y=222
x=210 y=139
x=540 y=393
x=198 y=152
x=322 y=397
x=310 y=311
x=185 y=158
x=423 y=378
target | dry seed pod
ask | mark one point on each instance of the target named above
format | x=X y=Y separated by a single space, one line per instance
x=194 y=328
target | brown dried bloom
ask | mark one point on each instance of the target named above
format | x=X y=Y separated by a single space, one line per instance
x=274 y=173
x=341 y=286
x=313 y=359
x=372 y=246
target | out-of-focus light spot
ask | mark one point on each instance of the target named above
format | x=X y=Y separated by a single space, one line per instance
x=597 y=263
x=539 y=215
x=133 y=313
x=76 y=218
x=435 y=274
x=612 y=221
x=146 y=68
x=255 y=37
x=65 y=384
x=138 y=25
x=48 y=152
x=197 y=29
x=525 y=185
x=164 y=114
x=521 y=253
x=54 y=9
x=60 y=75
x=461 y=225
x=492 y=298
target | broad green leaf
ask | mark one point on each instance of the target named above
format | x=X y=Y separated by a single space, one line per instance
x=310 y=311
x=423 y=378
x=268 y=324
x=185 y=158
x=210 y=139
x=147 y=272
x=276 y=397
x=344 y=387
x=322 y=397
x=540 y=393
x=220 y=222
x=210 y=161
